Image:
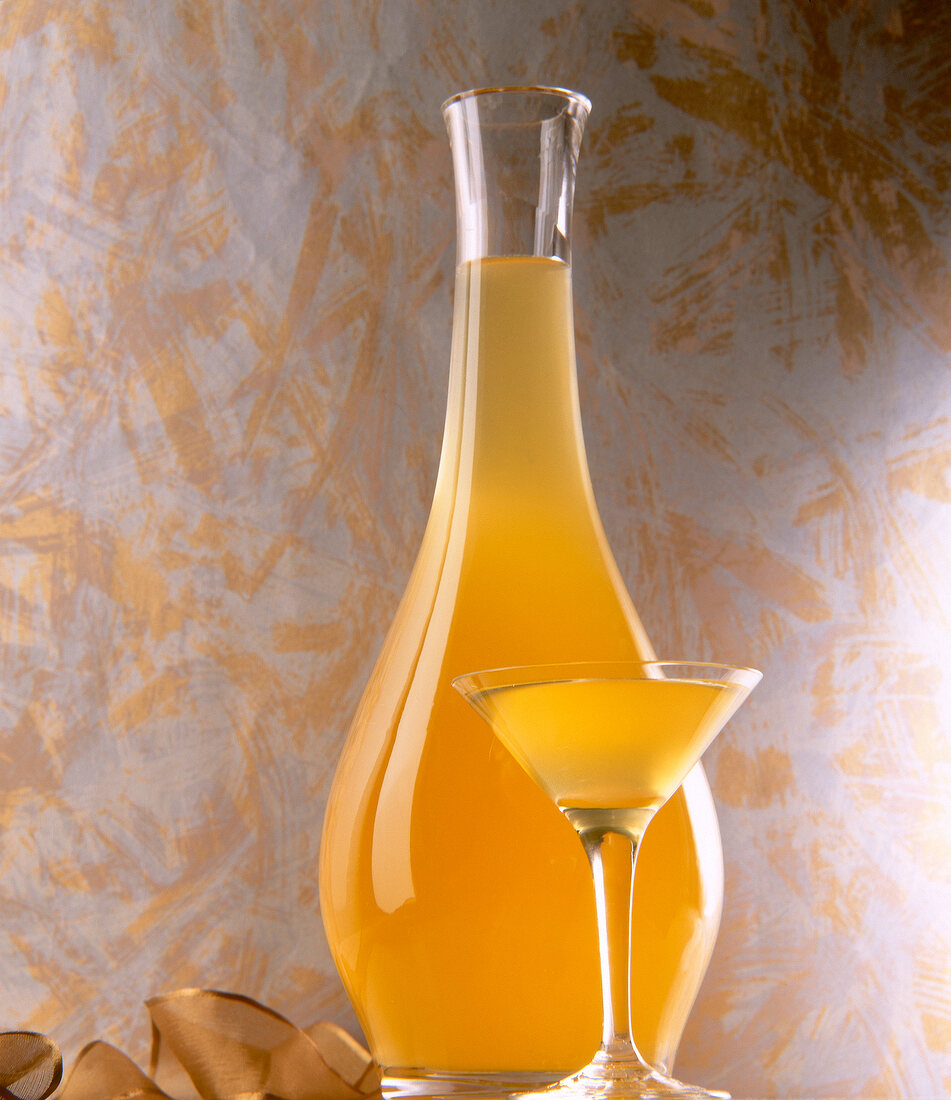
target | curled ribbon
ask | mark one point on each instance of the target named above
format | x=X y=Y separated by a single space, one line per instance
x=210 y=1045
x=30 y=1066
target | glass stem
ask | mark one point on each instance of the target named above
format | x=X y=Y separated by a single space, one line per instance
x=612 y=853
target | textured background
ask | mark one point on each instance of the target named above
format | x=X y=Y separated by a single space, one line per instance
x=226 y=253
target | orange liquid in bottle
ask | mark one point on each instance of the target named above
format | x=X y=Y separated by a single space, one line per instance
x=456 y=898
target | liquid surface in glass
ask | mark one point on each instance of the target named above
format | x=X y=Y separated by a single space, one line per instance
x=456 y=898
x=608 y=742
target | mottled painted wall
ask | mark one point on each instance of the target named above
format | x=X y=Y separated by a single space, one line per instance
x=226 y=248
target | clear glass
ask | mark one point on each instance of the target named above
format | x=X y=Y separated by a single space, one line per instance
x=515 y=155
x=442 y=929
x=609 y=743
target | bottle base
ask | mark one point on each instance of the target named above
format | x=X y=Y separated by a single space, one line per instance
x=401 y=1084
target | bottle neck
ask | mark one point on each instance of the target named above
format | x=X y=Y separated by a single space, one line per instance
x=515 y=152
x=513 y=426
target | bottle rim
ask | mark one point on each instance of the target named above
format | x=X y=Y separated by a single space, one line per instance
x=578 y=99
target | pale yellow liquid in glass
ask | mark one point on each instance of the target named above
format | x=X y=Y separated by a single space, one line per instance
x=457 y=901
x=608 y=743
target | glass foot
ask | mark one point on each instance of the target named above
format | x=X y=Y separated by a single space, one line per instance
x=621 y=1080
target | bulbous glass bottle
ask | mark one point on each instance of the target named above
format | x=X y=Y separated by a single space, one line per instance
x=456 y=899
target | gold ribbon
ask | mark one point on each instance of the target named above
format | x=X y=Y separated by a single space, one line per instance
x=30 y=1066
x=210 y=1045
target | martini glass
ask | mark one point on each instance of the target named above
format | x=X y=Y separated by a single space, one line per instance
x=609 y=743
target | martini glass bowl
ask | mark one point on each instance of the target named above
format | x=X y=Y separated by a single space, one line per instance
x=609 y=743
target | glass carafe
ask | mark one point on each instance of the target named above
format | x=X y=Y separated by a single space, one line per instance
x=456 y=899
